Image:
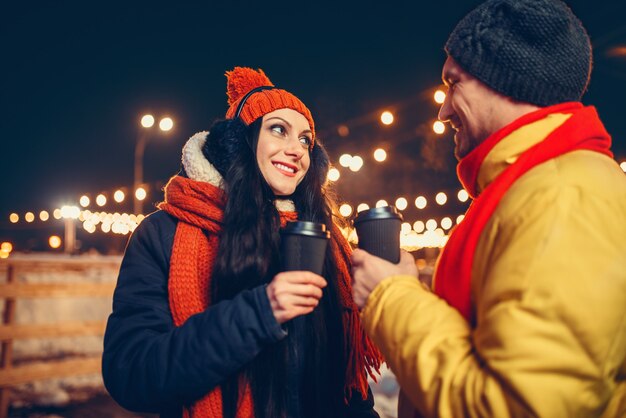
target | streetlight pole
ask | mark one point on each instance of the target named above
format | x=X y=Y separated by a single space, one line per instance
x=139 y=151
x=147 y=121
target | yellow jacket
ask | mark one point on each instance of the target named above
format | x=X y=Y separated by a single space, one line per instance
x=548 y=294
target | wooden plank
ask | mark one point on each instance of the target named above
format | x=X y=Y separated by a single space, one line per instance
x=103 y=261
x=54 y=290
x=49 y=370
x=6 y=359
x=62 y=329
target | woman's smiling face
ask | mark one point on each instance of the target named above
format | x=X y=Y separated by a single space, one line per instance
x=283 y=150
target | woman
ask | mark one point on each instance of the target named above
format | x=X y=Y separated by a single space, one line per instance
x=203 y=322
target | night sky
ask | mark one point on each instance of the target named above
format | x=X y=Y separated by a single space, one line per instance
x=77 y=76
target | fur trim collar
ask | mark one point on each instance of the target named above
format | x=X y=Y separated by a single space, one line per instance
x=199 y=168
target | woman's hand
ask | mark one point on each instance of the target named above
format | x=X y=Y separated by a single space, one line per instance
x=294 y=293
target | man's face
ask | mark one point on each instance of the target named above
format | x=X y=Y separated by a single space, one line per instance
x=470 y=107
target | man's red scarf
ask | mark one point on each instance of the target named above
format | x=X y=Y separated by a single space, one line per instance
x=198 y=206
x=582 y=131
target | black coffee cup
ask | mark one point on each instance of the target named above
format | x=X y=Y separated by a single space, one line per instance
x=378 y=230
x=303 y=246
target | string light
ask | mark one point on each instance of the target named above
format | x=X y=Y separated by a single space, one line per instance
x=140 y=193
x=401 y=203
x=441 y=198
x=119 y=196
x=333 y=174
x=439 y=97
x=386 y=117
x=166 y=124
x=356 y=163
x=439 y=127
x=345 y=160
x=381 y=203
x=101 y=200
x=362 y=207
x=147 y=121
x=380 y=155
x=345 y=210
x=29 y=217
x=54 y=241
x=463 y=195
x=446 y=223
x=14 y=218
x=420 y=202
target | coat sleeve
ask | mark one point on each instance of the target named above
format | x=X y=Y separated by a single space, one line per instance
x=550 y=333
x=149 y=364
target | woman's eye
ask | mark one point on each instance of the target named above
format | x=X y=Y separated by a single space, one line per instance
x=305 y=140
x=279 y=129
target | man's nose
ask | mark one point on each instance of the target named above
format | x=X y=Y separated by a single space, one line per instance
x=445 y=111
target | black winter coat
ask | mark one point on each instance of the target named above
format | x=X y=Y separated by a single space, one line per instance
x=149 y=365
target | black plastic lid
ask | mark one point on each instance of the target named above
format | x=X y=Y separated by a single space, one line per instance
x=386 y=212
x=313 y=229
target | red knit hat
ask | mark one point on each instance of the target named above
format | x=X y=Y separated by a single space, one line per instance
x=242 y=80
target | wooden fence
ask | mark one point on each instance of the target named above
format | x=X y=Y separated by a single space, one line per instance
x=11 y=292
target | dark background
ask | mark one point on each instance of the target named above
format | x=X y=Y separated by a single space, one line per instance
x=75 y=78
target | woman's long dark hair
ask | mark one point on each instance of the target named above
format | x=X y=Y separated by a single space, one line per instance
x=248 y=256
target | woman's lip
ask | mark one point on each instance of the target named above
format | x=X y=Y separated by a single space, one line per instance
x=285 y=172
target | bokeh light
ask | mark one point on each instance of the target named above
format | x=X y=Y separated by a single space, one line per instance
x=119 y=196
x=333 y=174
x=420 y=202
x=439 y=127
x=54 y=241
x=380 y=155
x=345 y=210
x=401 y=203
x=101 y=200
x=166 y=124
x=140 y=193
x=147 y=121
x=386 y=117
x=362 y=207
x=439 y=97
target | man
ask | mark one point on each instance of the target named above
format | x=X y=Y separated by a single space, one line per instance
x=528 y=313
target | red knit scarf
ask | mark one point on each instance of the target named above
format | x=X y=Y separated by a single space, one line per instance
x=582 y=131
x=199 y=207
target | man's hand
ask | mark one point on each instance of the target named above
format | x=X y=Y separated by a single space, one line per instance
x=369 y=270
x=294 y=293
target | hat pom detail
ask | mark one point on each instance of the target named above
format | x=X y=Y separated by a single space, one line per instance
x=243 y=79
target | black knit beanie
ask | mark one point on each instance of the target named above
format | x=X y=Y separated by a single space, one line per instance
x=534 y=51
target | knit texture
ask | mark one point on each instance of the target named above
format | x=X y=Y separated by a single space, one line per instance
x=241 y=80
x=582 y=131
x=534 y=51
x=199 y=207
